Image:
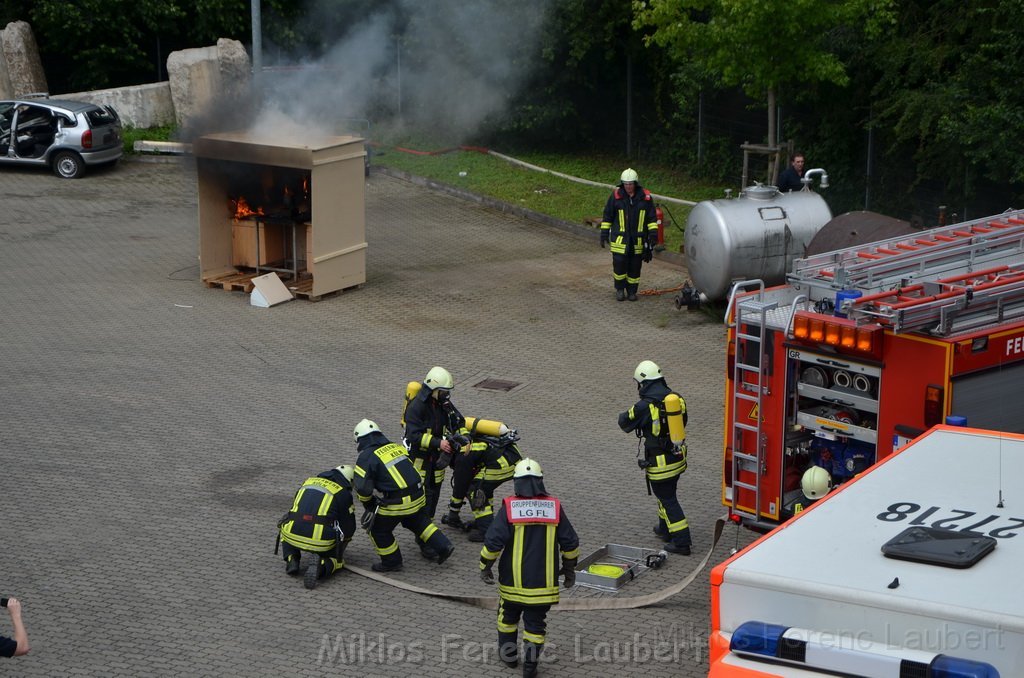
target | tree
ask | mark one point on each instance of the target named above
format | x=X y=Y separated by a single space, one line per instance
x=761 y=46
x=947 y=90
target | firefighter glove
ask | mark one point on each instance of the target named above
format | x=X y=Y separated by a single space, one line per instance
x=604 y=239
x=487 y=575
x=568 y=573
x=648 y=253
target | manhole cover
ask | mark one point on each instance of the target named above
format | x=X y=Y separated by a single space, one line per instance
x=496 y=384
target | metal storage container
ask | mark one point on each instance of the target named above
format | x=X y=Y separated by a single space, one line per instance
x=757 y=235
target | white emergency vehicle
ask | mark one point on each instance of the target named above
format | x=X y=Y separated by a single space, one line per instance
x=909 y=570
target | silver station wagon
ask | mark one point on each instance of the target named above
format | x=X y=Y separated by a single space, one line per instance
x=66 y=136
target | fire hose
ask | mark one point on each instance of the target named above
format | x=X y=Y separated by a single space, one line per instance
x=491 y=602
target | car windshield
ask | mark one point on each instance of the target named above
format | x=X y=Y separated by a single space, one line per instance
x=99 y=117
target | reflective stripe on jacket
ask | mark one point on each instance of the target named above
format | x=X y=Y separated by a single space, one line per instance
x=628 y=222
x=529 y=566
x=324 y=502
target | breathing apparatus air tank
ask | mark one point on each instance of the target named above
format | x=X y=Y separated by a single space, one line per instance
x=674 y=416
x=412 y=389
x=486 y=427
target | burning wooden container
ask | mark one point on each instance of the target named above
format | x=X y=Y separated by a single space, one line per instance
x=294 y=208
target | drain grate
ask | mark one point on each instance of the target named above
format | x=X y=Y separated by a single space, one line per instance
x=496 y=384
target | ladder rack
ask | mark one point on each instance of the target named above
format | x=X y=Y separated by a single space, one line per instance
x=943 y=280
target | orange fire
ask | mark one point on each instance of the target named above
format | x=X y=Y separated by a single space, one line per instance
x=240 y=209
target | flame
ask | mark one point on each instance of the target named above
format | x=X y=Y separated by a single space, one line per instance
x=240 y=209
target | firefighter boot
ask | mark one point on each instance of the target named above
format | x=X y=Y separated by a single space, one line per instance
x=662 y=532
x=309 y=563
x=428 y=552
x=453 y=519
x=620 y=294
x=291 y=566
x=445 y=553
x=531 y=657
x=386 y=567
x=678 y=549
x=508 y=649
x=479 y=528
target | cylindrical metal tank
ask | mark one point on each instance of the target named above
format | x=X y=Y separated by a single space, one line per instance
x=757 y=235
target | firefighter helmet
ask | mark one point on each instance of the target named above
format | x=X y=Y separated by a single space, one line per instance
x=528 y=467
x=438 y=377
x=646 y=371
x=346 y=470
x=365 y=427
x=816 y=482
x=629 y=175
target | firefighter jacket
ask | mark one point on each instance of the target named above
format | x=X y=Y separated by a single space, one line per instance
x=629 y=224
x=427 y=422
x=321 y=513
x=647 y=419
x=385 y=476
x=493 y=461
x=528 y=533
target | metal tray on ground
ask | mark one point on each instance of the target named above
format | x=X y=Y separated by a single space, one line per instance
x=632 y=560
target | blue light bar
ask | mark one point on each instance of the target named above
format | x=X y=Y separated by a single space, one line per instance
x=817 y=651
x=757 y=638
x=954 y=667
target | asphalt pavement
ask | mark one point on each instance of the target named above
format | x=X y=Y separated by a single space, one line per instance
x=152 y=432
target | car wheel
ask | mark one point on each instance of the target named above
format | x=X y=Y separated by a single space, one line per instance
x=68 y=165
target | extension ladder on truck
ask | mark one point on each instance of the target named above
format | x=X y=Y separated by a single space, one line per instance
x=748 y=390
x=944 y=280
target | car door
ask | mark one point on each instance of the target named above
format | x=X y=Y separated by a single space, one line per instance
x=6 y=125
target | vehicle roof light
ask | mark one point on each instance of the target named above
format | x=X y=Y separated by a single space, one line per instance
x=828 y=652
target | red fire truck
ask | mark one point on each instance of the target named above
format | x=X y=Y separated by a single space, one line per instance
x=865 y=348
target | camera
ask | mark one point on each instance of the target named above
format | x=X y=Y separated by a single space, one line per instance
x=3 y=602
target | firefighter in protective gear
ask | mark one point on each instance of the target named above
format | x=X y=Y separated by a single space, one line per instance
x=528 y=532
x=630 y=228
x=321 y=522
x=391 y=491
x=487 y=462
x=434 y=433
x=663 y=460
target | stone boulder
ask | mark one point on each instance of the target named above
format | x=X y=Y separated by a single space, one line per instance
x=23 y=70
x=205 y=80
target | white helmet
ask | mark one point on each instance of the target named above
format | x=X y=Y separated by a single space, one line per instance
x=438 y=377
x=646 y=371
x=816 y=482
x=629 y=174
x=363 y=428
x=528 y=467
x=347 y=470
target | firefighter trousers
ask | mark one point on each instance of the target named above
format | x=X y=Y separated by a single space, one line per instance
x=425 y=531
x=671 y=519
x=626 y=271
x=330 y=561
x=534 y=626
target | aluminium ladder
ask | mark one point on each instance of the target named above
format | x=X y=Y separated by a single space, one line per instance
x=943 y=280
x=748 y=391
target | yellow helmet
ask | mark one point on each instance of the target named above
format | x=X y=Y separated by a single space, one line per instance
x=816 y=482
x=438 y=377
x=629 y=175
x=363 y=428
x=646 y=371
x=528 y=467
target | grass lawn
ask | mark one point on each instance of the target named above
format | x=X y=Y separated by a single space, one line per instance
x=545 y=193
